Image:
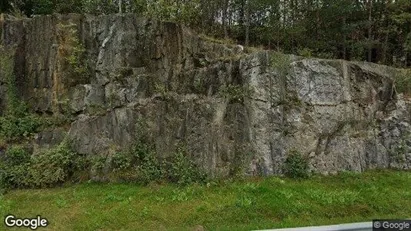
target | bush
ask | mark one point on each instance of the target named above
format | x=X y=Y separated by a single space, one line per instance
x=148 y=167
x=13 y=127
x=121 y=161
x=296 y=166
x=19 y=169
x=182 y=170
x=52 y=167
x=141 y=164
x=14 y=167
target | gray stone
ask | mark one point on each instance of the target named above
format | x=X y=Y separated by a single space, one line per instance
x=340 y=115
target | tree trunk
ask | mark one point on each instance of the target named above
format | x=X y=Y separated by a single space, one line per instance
x=241 y=17
x=120 y=3
x=247 y=23
x=225 y=11
x=344 y=39
x=370 y=39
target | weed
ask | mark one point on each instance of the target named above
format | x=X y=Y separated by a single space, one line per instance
x=244 y=201
x=97 y=164
x=179 y=195
x=182 y=170
x=61 y=202
x=235 y=93
x=121 y=161
x=296 y=166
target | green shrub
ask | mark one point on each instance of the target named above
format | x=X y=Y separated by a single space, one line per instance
x=97 y=165
x=14 y=167
x=296 y=166
x=121 y=161
x=13 y=127
x=149 y=167
x=20 y=169
x=52 y=167
x=182 y=170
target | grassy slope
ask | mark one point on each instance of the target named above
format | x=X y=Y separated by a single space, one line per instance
x=240 y=205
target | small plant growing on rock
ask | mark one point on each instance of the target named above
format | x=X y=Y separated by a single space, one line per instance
x=403 y=81
x=235 y=93
x=74 y=52
x=296 y=165
x=17 y=122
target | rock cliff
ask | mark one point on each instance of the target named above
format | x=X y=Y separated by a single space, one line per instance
x=116 y=77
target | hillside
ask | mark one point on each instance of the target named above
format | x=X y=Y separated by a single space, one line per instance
x=108 y=82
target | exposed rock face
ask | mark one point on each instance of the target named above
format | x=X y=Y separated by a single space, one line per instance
x=233 y=110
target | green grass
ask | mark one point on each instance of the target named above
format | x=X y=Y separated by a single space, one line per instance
x=255 y=203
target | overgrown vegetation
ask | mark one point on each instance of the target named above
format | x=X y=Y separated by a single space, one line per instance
x=296 y=165
x=235 y=93
x=252 y=204
x=21 y=169
x=74 y=51
x=402 y=80
x=142 y=164
x=16 y=122
x=399 y=151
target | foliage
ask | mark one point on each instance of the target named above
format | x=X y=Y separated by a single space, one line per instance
x=98 y=164
x=281 y=62
x=43 y=7
x=121 y=161
x=17 y=122
x=99 y=7
x=296 y=166
x=142 y=163
x=305 y=52
x=74 y=51
x=14 y=168
x=235 y=93
x=182 y=170
x=178 y=169
x=376 y=31
x=402 y=80
x=20 y=169
x=52 y=167
x=149 y=167
x=14 y=127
